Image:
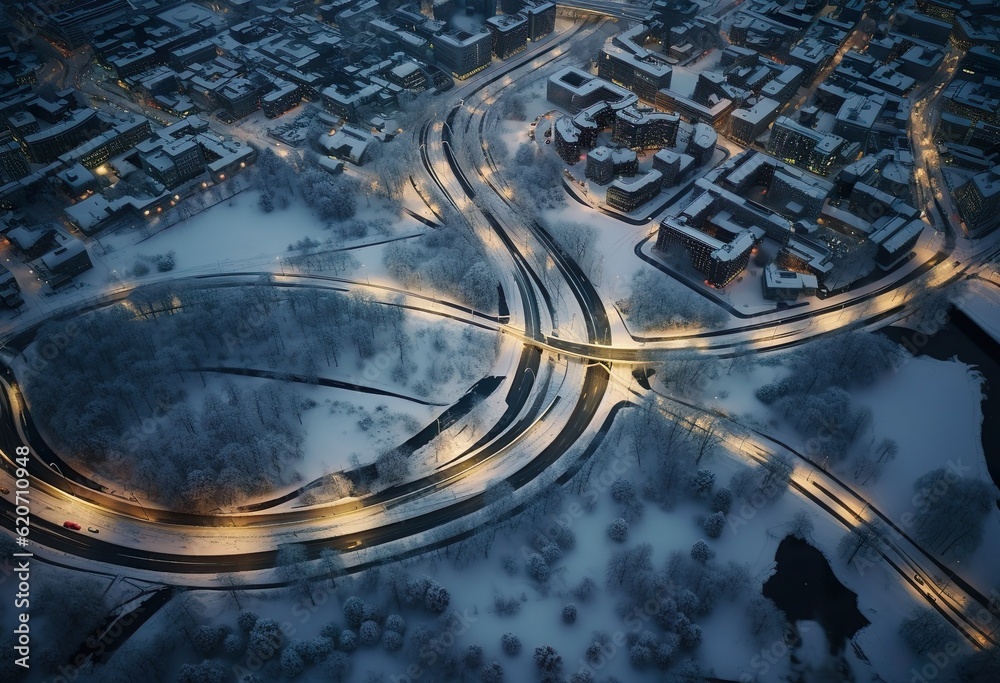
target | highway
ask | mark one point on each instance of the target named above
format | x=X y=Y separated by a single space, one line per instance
x=16 y=428
x=587 y=367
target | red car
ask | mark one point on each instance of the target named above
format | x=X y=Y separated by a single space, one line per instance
x=72 y=525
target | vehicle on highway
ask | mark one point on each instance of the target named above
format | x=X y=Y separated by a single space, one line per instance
x=93 y=530
x=918 y=579
x=72 y=525
x=4 y=490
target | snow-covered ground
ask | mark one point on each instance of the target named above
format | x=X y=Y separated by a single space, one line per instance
x=931 y=434
x=981 y=302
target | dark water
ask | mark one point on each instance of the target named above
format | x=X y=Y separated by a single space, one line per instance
x=961 y=338
x=804 y=587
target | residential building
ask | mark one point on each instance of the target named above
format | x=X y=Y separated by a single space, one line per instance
x=123 y=136
x=786 y=285
x=573 y=89
x=605 y=164
x=795 y=144
x=805 y=255
x=978 y=200
x=46 y=145
x=629 y=195
x=13 y=163
x=464 y=53
x=510 y=34
x=541 y=20
x=172 y=163
x=749 y=124
x=720 y=261
x=643 y=75
x=285 y=98
x=567 y=140
x=644 y=128
x=895 y=239
x=672 y=165
x=65 y=261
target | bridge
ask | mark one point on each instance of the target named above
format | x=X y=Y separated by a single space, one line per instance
x=606 y=8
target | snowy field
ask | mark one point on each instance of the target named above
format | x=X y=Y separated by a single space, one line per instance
x=943 y=432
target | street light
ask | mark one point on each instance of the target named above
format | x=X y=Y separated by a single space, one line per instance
x=366 y=274
x=68 y=481
x=144 y=513
x=280 y=264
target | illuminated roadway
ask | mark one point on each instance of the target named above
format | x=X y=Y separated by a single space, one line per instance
x=495 y=212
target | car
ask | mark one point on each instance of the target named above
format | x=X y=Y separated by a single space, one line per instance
x=918 y=579
x=72 y=525
x=4 y=490
x=93 y=530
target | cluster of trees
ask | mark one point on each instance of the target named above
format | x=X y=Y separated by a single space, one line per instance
x=688 y=588
x=928 y=634
x=67 y=609
x=116 y=396
x=669 y=448
x=579 y=241
x=449 y=258
x=274 y=179
x=658 y=303
x=391 y=164
x=334 y=198
x=144 y=264
x=952 y=511
x=537 y=174
x=813 y=395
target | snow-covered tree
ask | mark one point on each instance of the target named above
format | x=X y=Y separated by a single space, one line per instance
x=766 y=620
x=437 y=598
x=714 y=524
x=392 y=641
x=392 y=467
x=266 y=636
x=354 y=611
x=688 y=603
x=700 y=552
x=951 y=523
x=246 y=621
x=291 y=663
x=618 y=530
x=562 y=536
x=801 y=525
x=640 y=656
x=547 y=659
x=538 y=568
x=656 y=302
x=511 y=643
x=925 y=631
x=722 y=501
x=492 y=673
x=551 y=552
x=233 y=645
x=569 y=613
x=337 y=667
x=348 y=640
x=396 y=623
x=473 y=656
x=690 y=636
x=207 y=639
x=585 y=590
x=369 y=633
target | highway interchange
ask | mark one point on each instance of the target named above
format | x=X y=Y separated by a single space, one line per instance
x=545 y=433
